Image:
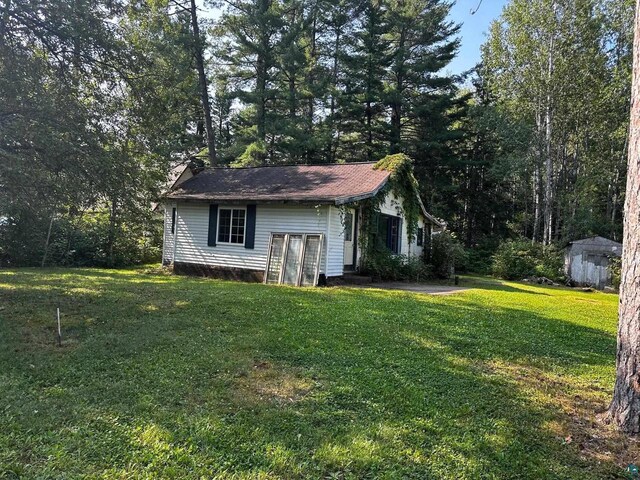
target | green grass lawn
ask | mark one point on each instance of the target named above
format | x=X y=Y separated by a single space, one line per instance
x=173 y=377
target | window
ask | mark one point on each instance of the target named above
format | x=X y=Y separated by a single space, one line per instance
x=348 y=227
x=388 y=232
x=420 y=237
x=231 y=223
x=393 y=241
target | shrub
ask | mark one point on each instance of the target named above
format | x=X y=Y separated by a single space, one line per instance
x=383 y=265
x=447 y=254
x=514 y=260
x=518 y=259
x=615 y=266
x=550 y=263
x=478 y=259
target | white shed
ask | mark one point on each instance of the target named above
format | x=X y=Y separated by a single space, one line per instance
x=281 y=224
x=588 y=261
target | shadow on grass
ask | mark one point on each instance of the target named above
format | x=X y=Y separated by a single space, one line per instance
x=191 y=377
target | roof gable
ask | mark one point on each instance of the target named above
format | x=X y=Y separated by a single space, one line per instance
x=596 y=240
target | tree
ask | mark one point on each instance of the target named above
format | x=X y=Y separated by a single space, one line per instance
x=362 y=107
x=556 y=64
x=198 y=53
x=625 y=407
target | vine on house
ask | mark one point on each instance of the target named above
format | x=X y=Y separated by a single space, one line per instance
x=402 y=184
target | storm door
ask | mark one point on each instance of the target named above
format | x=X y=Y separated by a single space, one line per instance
x=294 y=259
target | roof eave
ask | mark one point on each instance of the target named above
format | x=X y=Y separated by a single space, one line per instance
x=363 y=196
x=312 y=201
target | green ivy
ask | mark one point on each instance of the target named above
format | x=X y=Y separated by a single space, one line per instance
x=403 y=184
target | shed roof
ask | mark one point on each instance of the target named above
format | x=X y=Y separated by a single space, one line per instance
x=332 y=183
x=596 y=241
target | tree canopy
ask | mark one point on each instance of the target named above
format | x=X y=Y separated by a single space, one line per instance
x=100 y=100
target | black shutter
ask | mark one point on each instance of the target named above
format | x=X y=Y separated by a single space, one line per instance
x=213 y=225
x=250 y=230
x=173 y=220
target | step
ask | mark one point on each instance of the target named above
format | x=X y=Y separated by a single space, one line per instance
x=355 y=279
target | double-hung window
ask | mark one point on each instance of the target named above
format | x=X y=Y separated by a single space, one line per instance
x=231 y=225
x=388 y=232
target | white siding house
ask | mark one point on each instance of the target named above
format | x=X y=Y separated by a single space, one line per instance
x=226 y=222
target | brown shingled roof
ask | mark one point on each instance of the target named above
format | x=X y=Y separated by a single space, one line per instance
x=333 y=183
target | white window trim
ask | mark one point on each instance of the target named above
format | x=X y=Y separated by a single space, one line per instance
x=244 y=235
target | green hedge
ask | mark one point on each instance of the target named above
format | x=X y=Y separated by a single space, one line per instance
x=518 y=259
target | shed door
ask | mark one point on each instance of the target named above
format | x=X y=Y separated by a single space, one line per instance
x=596 y=270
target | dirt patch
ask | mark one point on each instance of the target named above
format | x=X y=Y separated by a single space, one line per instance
x=580 y=423
x=267 y=382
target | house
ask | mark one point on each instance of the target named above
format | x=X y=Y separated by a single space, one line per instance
x=588 y=261
x=297 y=224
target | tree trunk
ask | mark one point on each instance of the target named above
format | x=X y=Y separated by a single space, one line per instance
x=537 y=182
x=4 y=21
x=333 y=142
x=310 y=81
x=625 y=406
x=396 y=105
x=198 y=52
x=369 y=114
x=548 y=185
x=111 y=239
x=46 y=243
x=261 y=77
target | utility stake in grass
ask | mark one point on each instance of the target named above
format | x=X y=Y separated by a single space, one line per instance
x=59 y=330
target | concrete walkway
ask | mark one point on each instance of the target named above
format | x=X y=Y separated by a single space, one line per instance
x=415 y=287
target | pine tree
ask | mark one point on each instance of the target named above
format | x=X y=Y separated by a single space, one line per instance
x=362 y=108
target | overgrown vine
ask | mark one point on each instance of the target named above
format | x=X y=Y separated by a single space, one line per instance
x=403 y=184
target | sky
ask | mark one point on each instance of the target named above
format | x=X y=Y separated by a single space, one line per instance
x=473 y=31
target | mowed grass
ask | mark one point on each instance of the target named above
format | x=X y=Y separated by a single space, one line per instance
x=162 y=376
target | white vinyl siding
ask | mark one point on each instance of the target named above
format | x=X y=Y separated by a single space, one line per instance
x=192 y=227
x=192 y=230
x=167 y=244
x=335 y=243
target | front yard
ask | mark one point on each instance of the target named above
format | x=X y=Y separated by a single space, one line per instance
x=173 y=377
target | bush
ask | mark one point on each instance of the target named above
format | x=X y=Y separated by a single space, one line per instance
x=83 y=242
x=615 y=266
x=550 y=263
x=479 y=258
x=447 y=254
x=518 y=259
x=383 y=265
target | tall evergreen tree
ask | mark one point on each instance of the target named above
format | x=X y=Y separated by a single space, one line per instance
x=362 y=106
